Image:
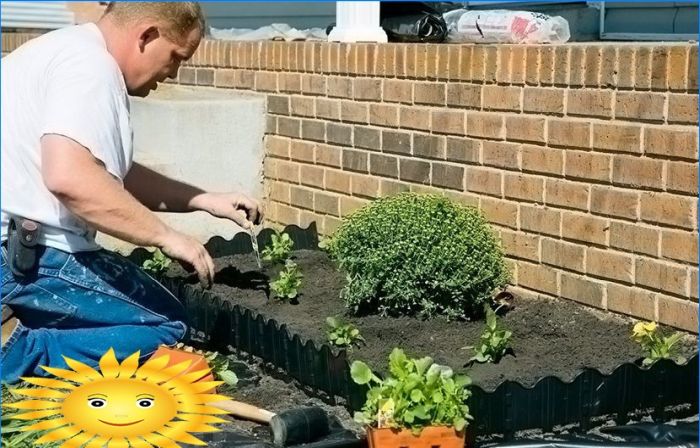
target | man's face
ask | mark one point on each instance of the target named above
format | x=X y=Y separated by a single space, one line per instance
x=158 y=58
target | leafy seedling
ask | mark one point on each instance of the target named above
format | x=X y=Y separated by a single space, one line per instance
x=655 y=344
x=279 y=249
x=494 y=341
x=157 y=264
x=343 y=335
x=287 y=285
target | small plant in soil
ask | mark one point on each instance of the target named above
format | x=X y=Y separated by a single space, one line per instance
x=419 y=255
x=494 y=341
x=417 y=393
x=287 y=285
x=343 y=335
x=279 y=249
x=157 y=264
x=655 y=344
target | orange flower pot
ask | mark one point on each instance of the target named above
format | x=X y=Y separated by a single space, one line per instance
x=177 y=356
x=430 y=437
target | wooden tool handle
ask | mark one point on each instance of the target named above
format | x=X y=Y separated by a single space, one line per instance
x=244 y=410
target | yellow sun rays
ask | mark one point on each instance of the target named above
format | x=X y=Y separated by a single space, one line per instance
x=189 y=397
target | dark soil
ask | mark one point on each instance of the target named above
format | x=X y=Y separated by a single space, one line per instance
x=550 y=337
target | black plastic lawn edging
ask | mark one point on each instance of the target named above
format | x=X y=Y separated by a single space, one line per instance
x=508 y=408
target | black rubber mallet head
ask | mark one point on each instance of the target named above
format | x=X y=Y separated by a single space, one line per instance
x=301 y=425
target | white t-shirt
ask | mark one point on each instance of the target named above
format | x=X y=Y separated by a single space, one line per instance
x=64 y=82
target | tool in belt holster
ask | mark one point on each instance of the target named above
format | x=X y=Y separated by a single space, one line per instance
x=23 y=235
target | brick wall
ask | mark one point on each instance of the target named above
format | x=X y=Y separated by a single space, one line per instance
x=583 y=157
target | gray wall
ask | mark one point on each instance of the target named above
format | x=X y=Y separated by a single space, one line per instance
x=256 y=14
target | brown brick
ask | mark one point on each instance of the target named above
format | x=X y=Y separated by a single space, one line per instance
x=396 y=142
x=381 y=165
x=637 y=172
x=626 y=64
x=187 y=75
x=290 y=82
x=313 y=130
x=669 y=209
x=682 y=108
x=338 y=181
x=279 y=192
x=289 y=127
x=205 y=77
x=328 y=108
x=301 y=197
x=349 y=205
x=659 y=68
x=481 y=180
x=617 y=137
x=278 y=104
x=582 y=290
x=523 y=187
x=563 y=255
x=642 y=72
x=464 y=73
x=608 y=264
x=287 y=215
x=537 y=159
x=518 y=64
x=464 y=95
x=586 y=165
x=682 y=177
x=443 y=61
x=640 y=106
x=666 y=141
x=390 y=187
x=328 y=156
x=546 y=101
x=414 y=171
x=339 y=87
x=614 y=202
x=355 y=160
x=312 y=176
x=532 y=65
x=224 y=78
x=540 y=219
x=462 y=150
x=340 y=134
x=266 y=81
x=303 y=106
x=431 y=66
x=680 y=246
x=501 y=154
x=384 y=115
x=397 y=91
x=593 y=56
x=485 y=124
x=307 y=218
x=477 y=63
x=634 y=238
x=302 y=151
x=631 y=301
x=502 y=98
x=661 y=275
x=681 y=314
x=608 y=67
x=447 y=176
x=245 y=79
x=521 y=245
x=428 y=146
x=326 y=203
x=368 y=89
x=500 y=212
x=568 y=133
x=354 y=112
x=367 y=138
x=538 y=277
x=364 y=186
x=577 y=66
x=589 y=103
x=504 y=65
x=429 y=93
x=526 y=129
x=589 y=229
x=693 y=69
x=448 y=121
x=694 y=283
x=415 y=118
x=421 y=55
x=546 y=74
x=566 y=194
x=277 y=146
x=313 y=84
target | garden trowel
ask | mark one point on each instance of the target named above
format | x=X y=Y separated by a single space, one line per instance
x=290 y=427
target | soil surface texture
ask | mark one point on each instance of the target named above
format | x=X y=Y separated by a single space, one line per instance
x=550 y=337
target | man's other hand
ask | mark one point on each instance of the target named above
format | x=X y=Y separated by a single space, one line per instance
x=241 y=209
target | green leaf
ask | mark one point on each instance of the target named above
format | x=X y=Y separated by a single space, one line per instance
x=360 y=372
x=417 y=395
x=459 y=423
x=332 y=322
x=228 y=377
x=397 y=360
x=423 y=364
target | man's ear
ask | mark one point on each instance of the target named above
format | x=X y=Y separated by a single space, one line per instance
x=147 y=36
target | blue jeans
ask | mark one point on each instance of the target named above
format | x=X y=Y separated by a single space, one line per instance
x=81 y=305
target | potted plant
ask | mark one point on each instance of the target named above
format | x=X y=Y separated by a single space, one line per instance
x=419 y=404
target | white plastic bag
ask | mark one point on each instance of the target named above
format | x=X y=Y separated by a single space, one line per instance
x=502 y=26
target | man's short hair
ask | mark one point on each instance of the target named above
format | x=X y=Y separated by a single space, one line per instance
x=178 y=18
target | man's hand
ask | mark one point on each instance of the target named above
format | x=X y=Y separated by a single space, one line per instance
x=186 y=249
x=237 y=207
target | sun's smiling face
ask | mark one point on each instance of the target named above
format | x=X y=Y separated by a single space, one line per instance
x=119 y=407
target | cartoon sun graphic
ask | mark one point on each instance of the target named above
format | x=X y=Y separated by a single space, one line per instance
x=121 y=405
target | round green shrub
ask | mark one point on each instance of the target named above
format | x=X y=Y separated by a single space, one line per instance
x=421 y=255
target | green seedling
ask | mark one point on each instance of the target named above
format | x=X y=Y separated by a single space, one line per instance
x=655 y=344
x=494 y=341
x=280 y=248
x=157 y=264
x=287 y=285
x=416 y=394
x=343 y=335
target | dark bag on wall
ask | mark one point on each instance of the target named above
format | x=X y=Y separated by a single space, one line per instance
x=415 y=21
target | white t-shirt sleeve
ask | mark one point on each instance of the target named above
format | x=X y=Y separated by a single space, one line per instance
x=85 y=101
